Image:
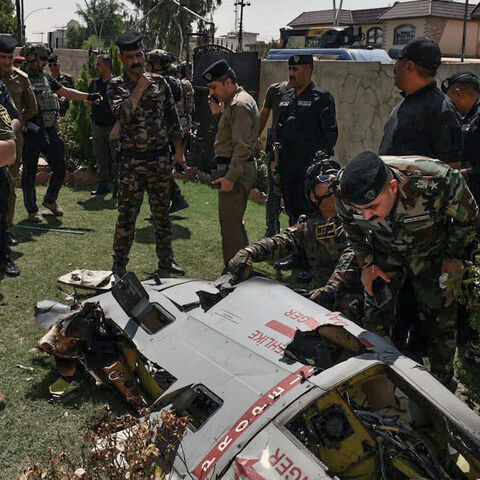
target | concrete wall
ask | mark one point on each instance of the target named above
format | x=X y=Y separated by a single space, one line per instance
x=364 y=94
x=71 y=61
x=451 y=39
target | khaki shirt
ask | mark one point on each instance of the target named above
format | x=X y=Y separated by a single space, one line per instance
x=22 y=94
x=237 y=132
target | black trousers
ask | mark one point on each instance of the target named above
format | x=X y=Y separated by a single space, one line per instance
x=293 y=192
x=4 y=194
x=48 y=142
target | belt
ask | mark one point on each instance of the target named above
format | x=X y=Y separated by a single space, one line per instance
x=144 y=155
x=226 y=160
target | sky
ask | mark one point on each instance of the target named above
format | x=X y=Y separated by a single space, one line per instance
x=265 y=17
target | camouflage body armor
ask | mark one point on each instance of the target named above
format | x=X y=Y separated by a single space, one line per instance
x=48 y=105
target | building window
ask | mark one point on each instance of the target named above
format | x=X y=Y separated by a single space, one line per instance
x=374 y=37
x=403 y=34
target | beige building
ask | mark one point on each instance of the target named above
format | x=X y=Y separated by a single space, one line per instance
x=395 y=26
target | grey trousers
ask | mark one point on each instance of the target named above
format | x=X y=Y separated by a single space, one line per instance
x=103 y=153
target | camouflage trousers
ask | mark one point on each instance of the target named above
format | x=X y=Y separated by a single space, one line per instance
x=435 y=323
x=136 y=176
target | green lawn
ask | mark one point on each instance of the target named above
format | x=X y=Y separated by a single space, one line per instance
x=29 y=424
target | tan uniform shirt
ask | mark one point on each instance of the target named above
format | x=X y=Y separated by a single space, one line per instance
x=22 y=94
x=237 y=132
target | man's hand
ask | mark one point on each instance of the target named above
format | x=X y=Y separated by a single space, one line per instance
x=225 y=184
x=324 y=296
x=369 y=274
x=143 y=83
x=240 y=266
x=95 y=97
x=215 y=108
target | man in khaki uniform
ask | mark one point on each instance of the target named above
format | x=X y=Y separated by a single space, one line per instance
x=20 y=90
x=237 y=114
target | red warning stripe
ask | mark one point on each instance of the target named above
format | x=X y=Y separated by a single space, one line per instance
x=248 y=418
x=281 y=328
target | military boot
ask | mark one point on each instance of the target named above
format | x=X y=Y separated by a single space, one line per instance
x=119 y=267
x=8 y=266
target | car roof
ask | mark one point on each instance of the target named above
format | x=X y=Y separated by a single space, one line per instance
x=356 y=54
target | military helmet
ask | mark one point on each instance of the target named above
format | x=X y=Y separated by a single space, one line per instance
x=33 y=51
x=320 y=172
x=159 y=56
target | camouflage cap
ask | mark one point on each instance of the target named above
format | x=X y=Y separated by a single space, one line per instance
x=363 y=178
x=33 y=51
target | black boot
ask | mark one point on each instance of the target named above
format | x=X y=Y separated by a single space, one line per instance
x=8 y=266
x=288 y=264
x=171 y=267
x=11 y=240
x=119 y=265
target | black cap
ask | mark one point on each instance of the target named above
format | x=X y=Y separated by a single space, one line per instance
x=461 y=77
x=52 y=58
x=363 y=178
x=129 y=40
x=216 y=70
x=7 y=43
x=300 y=60
x=422 y=51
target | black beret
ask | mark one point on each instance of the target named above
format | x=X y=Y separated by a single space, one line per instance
x=300 y=60
x=52 y=58
x=7 y=43
x=216 y=70
x=422 y=51
x=461 y=77
x=129 y=40
x=363 y=178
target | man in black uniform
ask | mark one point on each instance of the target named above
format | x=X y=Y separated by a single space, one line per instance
x=306 y=124
x=426 y=121
x=273 y=97
x=102 y=125
x=464 y=90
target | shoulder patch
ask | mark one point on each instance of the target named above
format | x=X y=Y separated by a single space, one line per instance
x=5 y=116
x=327 y=230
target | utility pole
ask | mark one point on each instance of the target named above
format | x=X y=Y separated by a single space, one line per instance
x=465 y=23
x=242 y=4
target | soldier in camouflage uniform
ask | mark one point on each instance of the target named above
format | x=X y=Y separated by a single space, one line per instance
x=63 y=78
x=20 y=89
x=160 y=62
x=322 y=236
x=144 y=104
x=409 y=217
x=188 y=100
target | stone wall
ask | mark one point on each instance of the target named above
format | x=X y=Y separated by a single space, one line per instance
x=364 y=94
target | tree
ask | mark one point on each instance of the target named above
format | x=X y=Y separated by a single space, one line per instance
x=104 y=19
x=168 y=25
x=76 y=36
x=271 y=44
x=7 y=17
